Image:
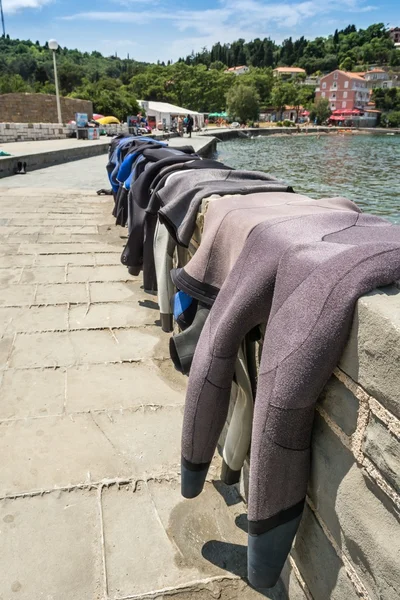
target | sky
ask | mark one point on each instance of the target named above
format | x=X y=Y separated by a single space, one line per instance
x=151 y=30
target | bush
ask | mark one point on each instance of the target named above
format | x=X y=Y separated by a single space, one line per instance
x=279 y=124
x=391 y=119
x=288 y=123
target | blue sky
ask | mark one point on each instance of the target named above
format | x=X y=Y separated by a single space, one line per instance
x=163 y=29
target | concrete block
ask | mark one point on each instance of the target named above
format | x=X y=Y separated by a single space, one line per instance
x=155 y=539
x=43 y=275
x=319 y=564
x=129 y=291
x=340 y=405
x=99 y=273
x=359 y=515
x=32 y=393
x=17 y=295
x=118 y=386
x=383 y=448
x=33 y=319
x=372 y=355
x=43 y=552
x=60 y=349
x=111 y=314
x=61 y=293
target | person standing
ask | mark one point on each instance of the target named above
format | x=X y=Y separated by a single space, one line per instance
x=189 y=125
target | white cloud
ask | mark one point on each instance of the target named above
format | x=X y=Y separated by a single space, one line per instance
x=13 y=6
x=229 y=20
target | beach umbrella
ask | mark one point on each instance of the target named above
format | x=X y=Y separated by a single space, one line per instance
x=108 y=121
x=97 y=116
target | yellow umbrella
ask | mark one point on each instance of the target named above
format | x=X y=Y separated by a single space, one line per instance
x=108 y=121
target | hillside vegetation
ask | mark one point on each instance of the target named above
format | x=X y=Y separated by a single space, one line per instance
x=198 y=81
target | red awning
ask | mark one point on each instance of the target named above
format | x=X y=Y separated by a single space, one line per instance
x=346 y=111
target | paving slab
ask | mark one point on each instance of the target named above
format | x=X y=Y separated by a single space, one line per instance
x=111 y=314
x=63 y=349
x=156 y=540
x=32 y=393
x=51 y=547
x=72 y=450
x=119 y=386
x=43 y=275
x=17 y=295
x=127 y=291
x=62 y=293
x=49 y=260
x=33 y=319
x=10 y=275
x=98 y=273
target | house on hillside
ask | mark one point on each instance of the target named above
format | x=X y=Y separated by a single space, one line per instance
x=238 y=70
x=344 y=90
x=394 y=33
x=287 y=73
x=378 y=78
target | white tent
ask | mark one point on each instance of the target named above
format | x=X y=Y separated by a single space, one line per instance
x=163 y=112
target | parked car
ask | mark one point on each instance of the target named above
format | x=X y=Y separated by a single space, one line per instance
x=235 y=124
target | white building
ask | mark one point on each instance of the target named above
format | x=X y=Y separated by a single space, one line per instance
x=377 y=78
x=238 y=70
x=287 y=73
x=163 y=113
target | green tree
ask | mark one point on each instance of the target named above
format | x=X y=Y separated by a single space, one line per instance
x=13 y=84
x=346 y=64
x=320 y=110
x=243 y=103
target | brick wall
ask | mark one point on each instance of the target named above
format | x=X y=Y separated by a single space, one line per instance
x=348 y=543
x=40 y=108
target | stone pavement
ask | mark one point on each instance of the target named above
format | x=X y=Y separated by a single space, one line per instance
x=90 y=422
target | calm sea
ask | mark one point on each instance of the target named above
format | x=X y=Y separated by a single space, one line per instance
x=364 y=168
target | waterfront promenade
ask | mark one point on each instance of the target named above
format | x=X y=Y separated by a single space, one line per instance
x=90 y=416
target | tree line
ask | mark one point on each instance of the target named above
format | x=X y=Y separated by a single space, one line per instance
x=346 y=48
x=198 y=82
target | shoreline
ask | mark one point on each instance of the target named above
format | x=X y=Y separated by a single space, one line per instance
x=225 y=134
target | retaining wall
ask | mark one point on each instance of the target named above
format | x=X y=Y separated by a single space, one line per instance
x=40 y=108
x=25 y=132
x=348 y=543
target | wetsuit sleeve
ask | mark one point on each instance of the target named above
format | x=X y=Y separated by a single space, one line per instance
x=304 y=339
x=243 y=302
x=164 y=246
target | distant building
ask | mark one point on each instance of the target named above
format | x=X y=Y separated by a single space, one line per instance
x=238 y=70
x=344 y=90
x=377 y=78
x=394 y=33
x=312 y=81
x=288 y=72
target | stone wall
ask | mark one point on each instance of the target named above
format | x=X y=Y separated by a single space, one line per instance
x=23 y=132
x=348 y=543
x=40 y=108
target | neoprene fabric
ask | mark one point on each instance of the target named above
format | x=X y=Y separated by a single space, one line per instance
x=204 y=275
x=302 y=276
x=181 y=199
